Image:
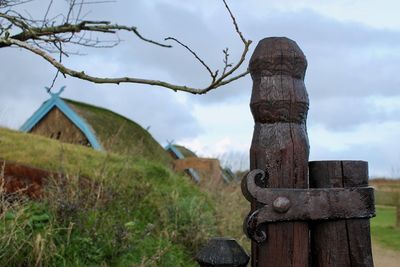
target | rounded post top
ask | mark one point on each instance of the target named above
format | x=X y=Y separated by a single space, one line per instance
x=222 y=251
x=277 y=67
x=278 y=56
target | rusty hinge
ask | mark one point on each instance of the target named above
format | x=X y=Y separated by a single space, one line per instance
x=287 y=204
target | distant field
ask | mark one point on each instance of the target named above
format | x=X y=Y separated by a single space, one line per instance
x=386 y=184
x=387 y=191
x=387 y=198
x=383 y=228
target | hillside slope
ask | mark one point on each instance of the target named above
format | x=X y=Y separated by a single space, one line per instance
x=134 y=212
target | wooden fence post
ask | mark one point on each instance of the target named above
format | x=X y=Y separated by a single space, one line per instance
x=340 y=242
x=398 y=209
x=279 y=104
x=284 y=209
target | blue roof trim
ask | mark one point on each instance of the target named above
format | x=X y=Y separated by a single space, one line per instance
x=56 y=101
x=226 y=179
x=179 y=155
x=176 y=151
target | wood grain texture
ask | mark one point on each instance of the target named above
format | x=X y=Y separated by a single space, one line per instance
x=279 y=104
x=342 y=242
x=398 y=210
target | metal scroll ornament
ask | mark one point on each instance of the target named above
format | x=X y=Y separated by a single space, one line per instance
x=313 y=204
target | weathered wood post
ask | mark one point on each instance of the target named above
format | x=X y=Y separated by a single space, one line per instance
x=340 y=242
x=279 y=104
x=283 y=207
x=397 y=199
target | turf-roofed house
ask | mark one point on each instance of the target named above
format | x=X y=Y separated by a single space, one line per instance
x=79 y=123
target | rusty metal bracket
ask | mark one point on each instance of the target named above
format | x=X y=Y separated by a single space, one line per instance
x=313 y=204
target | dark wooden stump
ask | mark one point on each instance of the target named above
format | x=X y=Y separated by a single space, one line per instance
x=222 y=252
x=279 y=104
x=342 y=242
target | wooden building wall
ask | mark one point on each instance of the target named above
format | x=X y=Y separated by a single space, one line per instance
x=56 y=125
x=209 y=169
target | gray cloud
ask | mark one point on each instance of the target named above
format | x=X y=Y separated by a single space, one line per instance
x=348 y=63
x=382 y=160
x=346 y=113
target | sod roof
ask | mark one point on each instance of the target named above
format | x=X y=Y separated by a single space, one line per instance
x=119 y=134
x=187 y=153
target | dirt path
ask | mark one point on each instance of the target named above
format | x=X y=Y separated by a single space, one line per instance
x=384 y=257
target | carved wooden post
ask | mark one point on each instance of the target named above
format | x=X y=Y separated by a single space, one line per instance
x=340 y=242
x=397 y=202
x=279 y=104
x=339 y=205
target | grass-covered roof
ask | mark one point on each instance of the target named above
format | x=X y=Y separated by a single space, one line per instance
x=119 y=134
x=187 y=153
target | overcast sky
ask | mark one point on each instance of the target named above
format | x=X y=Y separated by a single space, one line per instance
x=353 y=81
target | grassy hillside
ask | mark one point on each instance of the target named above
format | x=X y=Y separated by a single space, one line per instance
x=137 y=213
x=134 y=213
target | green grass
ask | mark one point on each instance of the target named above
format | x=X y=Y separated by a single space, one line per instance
x=137 y=212
x=383 y=228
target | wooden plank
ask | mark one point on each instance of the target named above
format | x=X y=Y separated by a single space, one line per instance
x=398 y=210
x=342 y=242
x=327 y=174
x=279 y=105
x=355 y=174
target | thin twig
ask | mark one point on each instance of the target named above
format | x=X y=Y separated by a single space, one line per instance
x=194 y=54
x=234 y=22
x=225 y=60
x=47 y=10
x=57 y=72
x=79 y=11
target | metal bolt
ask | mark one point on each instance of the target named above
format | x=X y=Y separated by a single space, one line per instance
x=281 y=204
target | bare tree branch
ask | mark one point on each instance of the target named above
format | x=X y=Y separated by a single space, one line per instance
x=234 y=22
x=47 y=36
x=90 y=26
x=48 y=10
